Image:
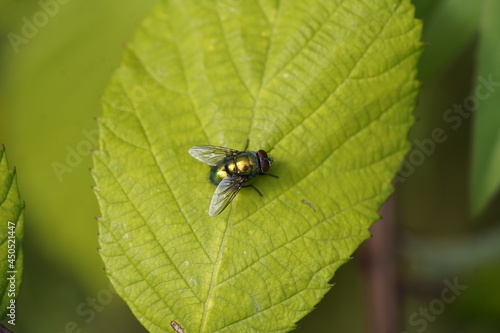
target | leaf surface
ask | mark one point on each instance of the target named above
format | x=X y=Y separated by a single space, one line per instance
x=329 y=86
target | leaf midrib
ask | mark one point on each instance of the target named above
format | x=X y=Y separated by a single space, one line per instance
x=216 y=270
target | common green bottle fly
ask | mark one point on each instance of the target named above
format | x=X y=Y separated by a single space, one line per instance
x=230 y=171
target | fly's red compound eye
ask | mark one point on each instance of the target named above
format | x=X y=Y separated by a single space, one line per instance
x=264 y=160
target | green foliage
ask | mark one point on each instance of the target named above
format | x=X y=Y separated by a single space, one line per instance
x=486 y=141
x=11 y=236
x=50 y=134
x=329 y=86
x=449 y=28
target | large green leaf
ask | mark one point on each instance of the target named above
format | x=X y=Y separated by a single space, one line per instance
x=329 y=85
x=486 y=140
x=11 y=236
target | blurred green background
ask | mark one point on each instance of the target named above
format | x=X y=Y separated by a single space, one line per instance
x=53 y=72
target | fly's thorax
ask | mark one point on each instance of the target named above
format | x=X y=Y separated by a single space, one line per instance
x=245 y=164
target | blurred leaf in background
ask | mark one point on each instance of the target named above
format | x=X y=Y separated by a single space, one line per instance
x=441 y=240
x=450 y=26
x=486 y=98
x=51 y=83
x=11 y=237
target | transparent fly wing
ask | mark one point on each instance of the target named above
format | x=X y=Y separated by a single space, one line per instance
x=224 y=194
x=211 y=155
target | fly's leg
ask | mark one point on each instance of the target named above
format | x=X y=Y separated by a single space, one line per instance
x=255 y=188
x=268 y=174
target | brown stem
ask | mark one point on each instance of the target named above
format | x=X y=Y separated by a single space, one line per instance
x=4 y=329
x=379 y=265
